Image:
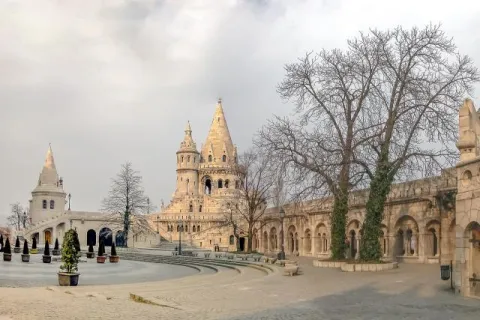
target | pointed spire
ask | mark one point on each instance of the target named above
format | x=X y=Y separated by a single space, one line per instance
x=219 y=141
x=49 y=174
x=188 y=144
x=188 y=129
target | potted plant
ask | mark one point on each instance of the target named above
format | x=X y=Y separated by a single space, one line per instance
x=25 y=255
x=69 y=276
x=90 y=253
x=47 y=258
x=56 y=249
x=1 y=243
x=113 y=254
x=7 y=251
x=34 y=246
x=101 y=251
x=77 y=243
x=16 y=249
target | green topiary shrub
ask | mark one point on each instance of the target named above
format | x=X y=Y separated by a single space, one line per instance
x=17 y=243
x=1 y=243
x=34 y=243
x=46 y=251
x=101 y=249
x=90 y=248
x=69 y=253
x=7 y=249
x=56 y=244
x=76 y=241
x=25 y=247
x=113 y=251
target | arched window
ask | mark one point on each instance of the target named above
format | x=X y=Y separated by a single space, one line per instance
x=188 y=158
x=178 y=228
x=232 y=240
x=209 y=158
x=52 y=204
x=194 y=229
x=198 y=228
x=200 y=208
x=182 y=158
x=208 y=186
x=226 y=183
x=186 y=228
x=224 y=158
x=190 y=207
x=44 y=204
x=220 y=184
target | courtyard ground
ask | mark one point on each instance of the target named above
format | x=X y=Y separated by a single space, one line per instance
x=410 y=292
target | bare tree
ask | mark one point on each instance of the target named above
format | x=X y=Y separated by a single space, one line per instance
x=330 y=123
x=126 y=202
x=17 y=217
x=420 y=85
x=247 y=209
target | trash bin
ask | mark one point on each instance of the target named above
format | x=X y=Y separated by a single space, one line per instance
x=445 y=272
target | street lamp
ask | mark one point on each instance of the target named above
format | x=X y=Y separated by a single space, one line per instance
x=281 y=255
x=180 y=228
x=69 y=197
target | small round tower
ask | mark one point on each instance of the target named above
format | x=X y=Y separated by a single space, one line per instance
x=188 y=160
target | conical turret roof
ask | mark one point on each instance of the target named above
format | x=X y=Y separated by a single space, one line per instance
x=188 y=144
x=218 y=142
x=49 y=174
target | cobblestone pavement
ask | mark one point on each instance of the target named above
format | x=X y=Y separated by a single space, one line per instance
x=410 y=292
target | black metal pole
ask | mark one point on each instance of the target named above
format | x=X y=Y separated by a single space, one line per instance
x=451 y=275
x=180 y=241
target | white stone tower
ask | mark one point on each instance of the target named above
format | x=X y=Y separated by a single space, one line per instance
x=218 y=164
x=188 y=160
x=48 y=198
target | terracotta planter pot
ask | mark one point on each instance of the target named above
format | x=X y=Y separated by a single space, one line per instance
x=16 y=250
x=90 y=255
x=101 y=259
x=46 y=259
x=33 y=251
x=25 y=257
x=114 y=259
x=56 y=252
x=68 y=279
x=7 y=257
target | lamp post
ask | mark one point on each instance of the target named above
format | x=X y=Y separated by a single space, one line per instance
x=281 y=255
x=180 y=228
x=69 y=197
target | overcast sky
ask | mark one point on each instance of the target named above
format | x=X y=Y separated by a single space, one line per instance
x=109 y=81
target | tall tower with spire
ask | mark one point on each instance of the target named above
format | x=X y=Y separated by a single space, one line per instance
x=48 y=197
x=188 y=160
x=218 y=163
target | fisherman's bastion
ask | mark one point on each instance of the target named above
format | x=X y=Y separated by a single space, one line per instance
x=426 y=221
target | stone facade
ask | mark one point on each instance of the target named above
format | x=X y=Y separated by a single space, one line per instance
x=206 y=182
x=50 y=219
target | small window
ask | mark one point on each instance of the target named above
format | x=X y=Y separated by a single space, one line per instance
x=220 y=184
x=224 y=158
x=182 y=158
x=209 y=158
x=186 y=228
x=188 y=159
x=194 y=228
x=52 y=204
x=198 y=228
x=232 y=240
x=200 y=208
x=44 y=204
x=190 y=208
x=178 y=228
x=226 y=183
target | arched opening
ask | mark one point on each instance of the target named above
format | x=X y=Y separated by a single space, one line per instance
x=194 y=229
x=220 y=184
x=120 y=239
x=224 y=158
x=433 y=242
x=200 y=208
x=399 y=244
x=232 y=240
x=208 y=186
x=226 y=183
x=44 y=204
x=48 y=235
x=265 y=241
x=198 y=228
x=91 y=237
x=182 y=158
x=411 y=242
x=52 y=205
x=188 y=158
x=273 y=239
x=353 y=243
x=325 y=242
x=320 y=238
x=190 y=207
x=296 y=241
x=209 y=158
x=105 y=235
x=242 y=244
x=407 y=240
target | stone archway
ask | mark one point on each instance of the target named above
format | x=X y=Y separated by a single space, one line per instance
x=48 y=235
x=321 y=241
x=105 y=235
x=407 y=236
x=432 y=239
x=291 y=239
x=91 y=237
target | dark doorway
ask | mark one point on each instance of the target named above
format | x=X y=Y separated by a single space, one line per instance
x=105 y=235
x=242 y=244
x=91 y=237
x=353 y=244
x=120 y=239
x=208 y=186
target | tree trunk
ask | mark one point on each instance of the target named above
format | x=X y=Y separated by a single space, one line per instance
x=370 y=248
x=250 y=239
x=126 y=228
x=339 y=219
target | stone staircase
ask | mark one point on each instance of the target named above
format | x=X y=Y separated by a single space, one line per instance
x=166 y=245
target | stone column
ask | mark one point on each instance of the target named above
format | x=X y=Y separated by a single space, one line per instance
x=313 y=249
x=357 y=254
